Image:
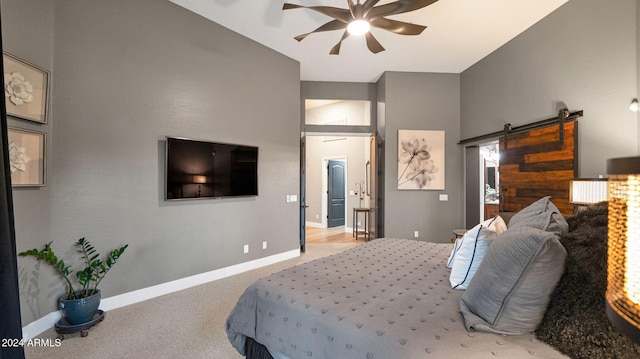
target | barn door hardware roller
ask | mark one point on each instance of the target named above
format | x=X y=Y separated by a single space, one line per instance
x=563 y=116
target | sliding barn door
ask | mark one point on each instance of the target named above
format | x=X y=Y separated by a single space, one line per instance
x=538 y=163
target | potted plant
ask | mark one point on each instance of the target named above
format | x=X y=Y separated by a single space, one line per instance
x=79 y=304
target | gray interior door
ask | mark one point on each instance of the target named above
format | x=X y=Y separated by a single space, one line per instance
x=303 y=193
x=336 y=193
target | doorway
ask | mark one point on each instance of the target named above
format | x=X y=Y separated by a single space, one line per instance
x=329 y=207
x=490 y=179
x=337 y=129
x=482 y=182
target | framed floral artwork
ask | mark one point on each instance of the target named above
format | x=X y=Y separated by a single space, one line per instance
x=27 y=157
x=420 y=160
x=26 y=89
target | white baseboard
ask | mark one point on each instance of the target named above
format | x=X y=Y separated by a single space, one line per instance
x=313 y=224
x=320 y=225
x=33 y=329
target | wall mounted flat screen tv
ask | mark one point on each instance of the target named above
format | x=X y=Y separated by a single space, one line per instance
x=201 y=169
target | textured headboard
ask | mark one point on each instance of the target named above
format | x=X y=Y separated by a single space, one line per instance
x=575 y=321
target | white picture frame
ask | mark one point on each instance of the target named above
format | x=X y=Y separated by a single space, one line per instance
x=421 y=160
x=27 y=157
x=26 y=89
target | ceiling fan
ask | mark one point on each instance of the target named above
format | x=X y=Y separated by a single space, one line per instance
x=358 y=18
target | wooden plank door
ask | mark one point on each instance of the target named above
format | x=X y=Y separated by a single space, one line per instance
x=536 y=163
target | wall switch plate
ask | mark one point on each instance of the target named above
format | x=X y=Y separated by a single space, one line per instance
x=246 y=248
x=444 y=197
x=292 y=198
x=264 y=245
x=415 y=234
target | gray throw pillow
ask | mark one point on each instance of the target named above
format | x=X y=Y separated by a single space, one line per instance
x=512 y=287
x=541 y=214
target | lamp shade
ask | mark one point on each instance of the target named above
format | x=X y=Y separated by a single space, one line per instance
x=587 y=190
x=199 y=179
x=623 y=257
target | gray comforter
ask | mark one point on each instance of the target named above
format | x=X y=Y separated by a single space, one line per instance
x=389 y=298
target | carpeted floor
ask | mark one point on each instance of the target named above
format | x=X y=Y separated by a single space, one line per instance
x=185 y=324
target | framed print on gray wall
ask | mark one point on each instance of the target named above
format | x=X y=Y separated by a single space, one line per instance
x=26 y=89
x=420 y=160
x=27 y=157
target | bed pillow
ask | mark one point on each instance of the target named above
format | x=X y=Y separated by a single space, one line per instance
x=458 y=243
x=469 y=250
x=512 y=287
x=541 y=214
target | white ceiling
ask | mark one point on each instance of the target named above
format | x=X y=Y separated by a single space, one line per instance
x=459 y=33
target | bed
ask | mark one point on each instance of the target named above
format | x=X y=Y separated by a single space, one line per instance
x=393 y=298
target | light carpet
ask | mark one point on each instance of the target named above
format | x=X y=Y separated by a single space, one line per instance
x=185 y=324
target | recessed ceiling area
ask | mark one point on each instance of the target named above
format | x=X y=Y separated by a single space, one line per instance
x=459 y=33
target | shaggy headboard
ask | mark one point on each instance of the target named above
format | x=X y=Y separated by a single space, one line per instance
x=575 y=322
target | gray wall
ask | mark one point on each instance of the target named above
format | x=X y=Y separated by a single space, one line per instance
x=421 y=101
x=582 y=56
x=125 y=75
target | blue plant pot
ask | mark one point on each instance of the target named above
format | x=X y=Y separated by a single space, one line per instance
x=79 y=311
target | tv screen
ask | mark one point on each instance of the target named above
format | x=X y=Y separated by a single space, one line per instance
x=202 y=169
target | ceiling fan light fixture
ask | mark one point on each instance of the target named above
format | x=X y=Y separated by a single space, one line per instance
x=361 y=15
x=358 y=27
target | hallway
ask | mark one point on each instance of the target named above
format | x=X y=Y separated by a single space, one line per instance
x=329 y=235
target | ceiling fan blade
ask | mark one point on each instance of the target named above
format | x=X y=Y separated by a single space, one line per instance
x=373 y=44
x=398 y=27
x=330 y=26
x=287 y=6
x=343 y=15
x=398 y=7
x=335 y=50
x=369 y=4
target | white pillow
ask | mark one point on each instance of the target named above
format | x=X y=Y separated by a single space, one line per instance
x=469 y=250
x=459 y=241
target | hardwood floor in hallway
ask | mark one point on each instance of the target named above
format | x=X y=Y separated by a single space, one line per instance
x=330 y=235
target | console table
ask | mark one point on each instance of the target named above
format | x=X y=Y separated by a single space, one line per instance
x=365 y=230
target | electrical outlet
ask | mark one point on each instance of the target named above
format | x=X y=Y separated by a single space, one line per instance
x=317 y=216
x=246 y=248
x=415 y=234
x=264 y=245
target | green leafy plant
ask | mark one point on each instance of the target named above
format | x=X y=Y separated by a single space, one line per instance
x=88 y=278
